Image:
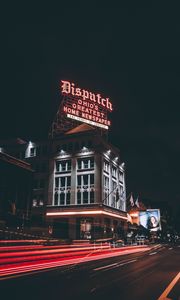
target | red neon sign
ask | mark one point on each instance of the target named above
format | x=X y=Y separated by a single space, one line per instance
x=84 y=106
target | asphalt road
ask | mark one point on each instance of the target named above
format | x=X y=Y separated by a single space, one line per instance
x=142 y=276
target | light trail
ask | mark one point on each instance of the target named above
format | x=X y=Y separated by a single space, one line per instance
x=23 y=268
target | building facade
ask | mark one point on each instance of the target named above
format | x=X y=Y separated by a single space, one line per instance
x=79 y=189
x=86 y=193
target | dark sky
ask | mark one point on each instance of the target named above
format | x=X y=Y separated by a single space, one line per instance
x=131 y=54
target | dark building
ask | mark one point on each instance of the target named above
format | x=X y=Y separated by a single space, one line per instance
x=15 y=191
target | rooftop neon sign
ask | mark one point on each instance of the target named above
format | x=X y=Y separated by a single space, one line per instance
x=69 y=88
x=85 y=106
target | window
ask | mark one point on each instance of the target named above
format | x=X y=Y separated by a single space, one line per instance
x=38 y=200
x=86 y=163
x=62 y=193
x=113 y=203
x=78 y=197
x=63 y=166
x=85 y=192
x=32 y=151
x=68 y=196
x=91 y=179
x=62 y=198
x=106 y=182
x=62 y=181
x=92 y=197
x=41 y=203
x=106 y=190
x=121 y=176
x=114 y=172
x=56 y=198
x=34 y=204
x=85 y=180
x=106 y=166
x=85 y=197
x=114 y=185
x=121 y=205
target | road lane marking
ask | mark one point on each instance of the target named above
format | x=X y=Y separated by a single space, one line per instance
x=126 y=263
x=104 y=267
x=169 y=287
x=170 y=248
x=152 y=253
x=115 y=265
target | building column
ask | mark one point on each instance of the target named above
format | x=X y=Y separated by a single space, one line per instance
x=97 y=178
x=73 y=181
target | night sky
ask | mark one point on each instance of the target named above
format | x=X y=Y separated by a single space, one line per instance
x=131 y=55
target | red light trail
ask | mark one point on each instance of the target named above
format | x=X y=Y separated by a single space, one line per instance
x=19 y=262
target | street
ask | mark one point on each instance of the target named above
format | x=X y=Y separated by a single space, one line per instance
x=143 y=275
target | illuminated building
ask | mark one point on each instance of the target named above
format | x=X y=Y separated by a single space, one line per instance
x=79 y=182
x=86 y=185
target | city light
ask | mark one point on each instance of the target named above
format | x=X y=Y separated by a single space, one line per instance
x=86 y=212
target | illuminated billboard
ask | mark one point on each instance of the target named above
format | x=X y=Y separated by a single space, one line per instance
x=150 y=219
x=84 y=106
